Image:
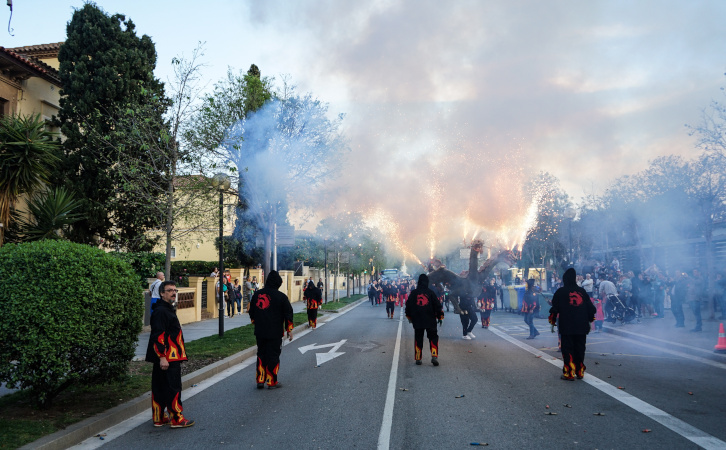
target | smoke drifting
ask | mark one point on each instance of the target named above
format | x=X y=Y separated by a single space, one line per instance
x=452 y=107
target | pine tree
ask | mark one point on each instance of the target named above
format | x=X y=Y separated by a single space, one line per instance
x=104 y=66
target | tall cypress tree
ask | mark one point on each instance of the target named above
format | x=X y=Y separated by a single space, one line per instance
x=104 y=67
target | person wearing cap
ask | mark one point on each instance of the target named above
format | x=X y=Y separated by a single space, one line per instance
x=575 y=311
x=423 y=310
x=271 y=313
x=529 y=305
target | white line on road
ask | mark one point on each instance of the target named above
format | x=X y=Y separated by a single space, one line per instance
x=384 y=437
x=143 y=418
x=674 y=424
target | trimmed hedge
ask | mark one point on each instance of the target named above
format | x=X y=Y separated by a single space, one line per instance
x=71 y=313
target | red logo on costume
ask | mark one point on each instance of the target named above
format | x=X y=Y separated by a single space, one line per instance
x=263 y=301
x=575 y=299
x=422 y=300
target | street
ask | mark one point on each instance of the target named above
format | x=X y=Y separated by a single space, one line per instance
x=347 y=386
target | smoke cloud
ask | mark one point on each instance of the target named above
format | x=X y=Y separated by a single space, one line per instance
x=451 y=108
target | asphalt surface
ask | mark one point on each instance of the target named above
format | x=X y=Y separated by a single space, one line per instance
x=648 y=385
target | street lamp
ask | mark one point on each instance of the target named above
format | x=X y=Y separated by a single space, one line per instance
x=570 y=213
x=221 y=182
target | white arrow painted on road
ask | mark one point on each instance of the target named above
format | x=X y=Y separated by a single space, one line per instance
x=327 y=356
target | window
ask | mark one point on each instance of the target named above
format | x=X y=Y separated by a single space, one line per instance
x=173 y=252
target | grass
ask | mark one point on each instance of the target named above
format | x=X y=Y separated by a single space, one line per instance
x=342 y=302
x=21 y=422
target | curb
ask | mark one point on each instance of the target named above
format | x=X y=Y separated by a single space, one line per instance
x=80 y=431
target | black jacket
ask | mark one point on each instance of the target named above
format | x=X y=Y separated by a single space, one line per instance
x=166 y=335
x=270 y=309
x=423 y=308
x=573 y=305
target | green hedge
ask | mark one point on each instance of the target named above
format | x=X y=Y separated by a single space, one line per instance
x=71 y=313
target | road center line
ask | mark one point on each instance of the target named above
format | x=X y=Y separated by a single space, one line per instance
x=674 y=424
x=384 y=437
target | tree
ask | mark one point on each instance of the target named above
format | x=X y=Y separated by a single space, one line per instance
x=26 y=155
x=103 y=66
x=163 y=172
x=543 y=240
x=50 y=215
x=231 y=100
x=290 y=146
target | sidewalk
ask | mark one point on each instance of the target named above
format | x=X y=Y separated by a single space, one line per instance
x=663 y=331
x=210 y=327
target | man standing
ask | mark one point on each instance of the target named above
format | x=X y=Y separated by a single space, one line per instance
x=423 y=310
x=575 y=310
x=248 y=290
x=154 y=289
x=694 y=296
x=529 y=305
x=271 y=313
x=166 y=351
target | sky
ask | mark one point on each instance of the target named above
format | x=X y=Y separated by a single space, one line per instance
x=451 y=106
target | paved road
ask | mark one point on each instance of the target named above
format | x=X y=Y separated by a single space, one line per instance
x=363 y=391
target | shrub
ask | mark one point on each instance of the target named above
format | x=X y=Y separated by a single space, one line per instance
x=71 y=313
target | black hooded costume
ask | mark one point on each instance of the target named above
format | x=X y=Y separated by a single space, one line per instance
x=423 y=310
x=576 y=311
x=313 y=298
x=271 y=313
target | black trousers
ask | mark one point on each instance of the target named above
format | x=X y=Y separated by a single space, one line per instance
x=389 y=308
x=468 y=321
x=268 y=360
x=313 y=317
x=433 y=336
x=573 y=354
x=166 y=387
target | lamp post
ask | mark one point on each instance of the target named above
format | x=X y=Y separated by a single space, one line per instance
x=221 y=182
x=570 y=213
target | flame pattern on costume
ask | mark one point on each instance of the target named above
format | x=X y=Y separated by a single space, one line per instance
x=172 y=348
x=568 y=369
x=157 y=411
x=177 y=407
x=272 y=375
x=261 y=371
x=417 y=349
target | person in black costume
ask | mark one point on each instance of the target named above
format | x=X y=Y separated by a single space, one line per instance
x=313 y=298
x=423 y=310
x=271 y=313
x=576 y=311
x=166 y=351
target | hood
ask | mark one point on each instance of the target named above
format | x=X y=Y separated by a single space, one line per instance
x=569 y=278
x=423 y=281
x=311 y=285
x=530 y=283
x=274 y=280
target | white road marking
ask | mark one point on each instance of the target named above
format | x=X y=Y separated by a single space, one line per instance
x=384 y=437
x=143 y=418
x=674 y=424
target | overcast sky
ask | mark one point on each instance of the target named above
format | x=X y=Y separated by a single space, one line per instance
x=468 y=96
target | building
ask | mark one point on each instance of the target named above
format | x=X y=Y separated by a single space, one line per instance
x=29 y=80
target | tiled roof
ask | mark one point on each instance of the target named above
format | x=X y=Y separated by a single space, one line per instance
x=25 y=66
x=38 y=51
